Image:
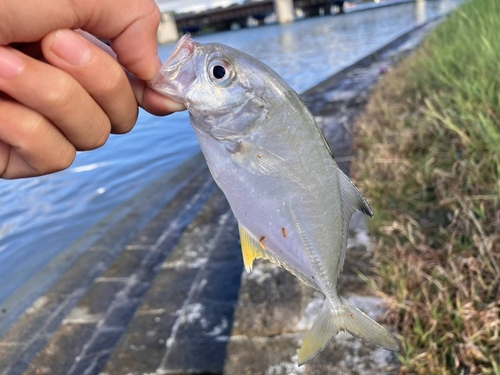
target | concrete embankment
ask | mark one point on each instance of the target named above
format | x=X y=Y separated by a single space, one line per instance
x=158 y=291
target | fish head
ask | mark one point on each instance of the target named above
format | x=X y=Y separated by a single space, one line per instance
x=223 y=89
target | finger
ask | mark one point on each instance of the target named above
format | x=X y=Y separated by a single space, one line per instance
x=29 y=144
x=99 y=74
x=131 y=26
x=153 y=102
x=158 y=104
x=147 y=98
x=56 y=95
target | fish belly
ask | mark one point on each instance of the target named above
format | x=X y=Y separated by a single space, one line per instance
x=294 y=221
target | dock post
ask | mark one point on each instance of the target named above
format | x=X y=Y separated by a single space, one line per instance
x=285 y=11
x=167 y=31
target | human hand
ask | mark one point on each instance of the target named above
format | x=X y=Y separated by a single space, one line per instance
x=62 y=90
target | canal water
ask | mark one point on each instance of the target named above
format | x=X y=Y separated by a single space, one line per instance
x=40 y=217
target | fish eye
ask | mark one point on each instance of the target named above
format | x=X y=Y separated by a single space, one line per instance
x=221 y=72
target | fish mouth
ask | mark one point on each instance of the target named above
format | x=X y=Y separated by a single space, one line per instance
x=177 y=73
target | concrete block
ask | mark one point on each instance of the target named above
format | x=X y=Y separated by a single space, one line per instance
x=99 y=297
x=62 y=349
x=83 y=365
x=170 y=290
x=126 y=264
x=262 y=355
x=9 y=352
x=201 y=339
x=220 y=282
x=143 y=347
x=121 y=315
x=104 y=342
x=138 y=290
x=270 y=302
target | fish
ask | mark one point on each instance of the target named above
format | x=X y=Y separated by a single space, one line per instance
x=269 y=157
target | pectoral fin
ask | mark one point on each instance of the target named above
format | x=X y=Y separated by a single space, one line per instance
x=258 y=160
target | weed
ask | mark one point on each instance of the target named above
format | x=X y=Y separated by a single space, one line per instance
x=429 y=163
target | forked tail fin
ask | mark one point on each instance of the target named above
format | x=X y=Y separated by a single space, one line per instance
x=348 y=318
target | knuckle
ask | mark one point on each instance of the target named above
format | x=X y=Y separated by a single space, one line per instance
x=33 y=130
x=65 y=158
x=113 y=84
x=60 y=92
x=6 y=32
x=103 y=138
x=10 y=32
x=79 y=10
x=100 y=136
x=4 y=158
x=127 y=124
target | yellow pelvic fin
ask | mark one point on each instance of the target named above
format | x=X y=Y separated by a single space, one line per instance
x=255 y=248
x=250 y=248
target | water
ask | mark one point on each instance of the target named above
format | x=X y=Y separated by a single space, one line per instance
x=40 y=217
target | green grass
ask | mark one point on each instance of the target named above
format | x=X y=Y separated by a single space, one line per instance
x=429 y=163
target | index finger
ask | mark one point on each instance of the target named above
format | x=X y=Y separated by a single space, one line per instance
x=131 y=25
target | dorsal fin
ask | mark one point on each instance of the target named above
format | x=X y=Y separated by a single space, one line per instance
x=352 y=199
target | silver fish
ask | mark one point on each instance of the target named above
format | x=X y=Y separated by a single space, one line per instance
x=269 y=157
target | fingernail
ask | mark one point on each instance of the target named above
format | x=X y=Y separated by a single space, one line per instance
x=10 y=64
x=71 y=47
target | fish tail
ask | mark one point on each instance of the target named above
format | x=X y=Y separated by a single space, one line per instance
x=344 y=317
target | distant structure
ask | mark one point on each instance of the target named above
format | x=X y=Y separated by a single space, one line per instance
x=285 y=11
x=238 y=15
x=167 y=31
